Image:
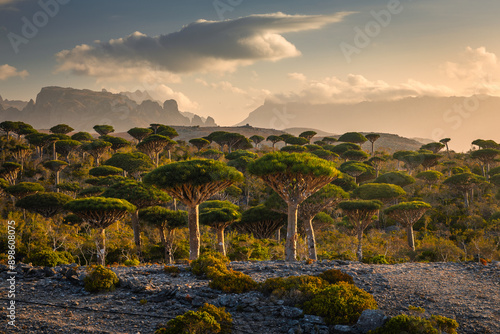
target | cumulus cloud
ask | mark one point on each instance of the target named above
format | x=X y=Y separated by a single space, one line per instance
x=297 y=76
x=7 y=71
x=357 y=88
x=474 y=64
x=201 y=46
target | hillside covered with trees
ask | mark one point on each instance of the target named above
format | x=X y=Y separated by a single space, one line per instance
x=76 y=198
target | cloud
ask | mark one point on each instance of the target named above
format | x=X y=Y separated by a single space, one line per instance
x=202 y=46
x=163 y=92
x=297 y=76
x=7 y=71
x=356 y=88
x=474 y=64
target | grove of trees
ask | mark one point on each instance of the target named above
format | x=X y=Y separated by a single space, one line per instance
x=143 y=196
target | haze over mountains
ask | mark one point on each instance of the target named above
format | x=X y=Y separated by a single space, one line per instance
x=82 y=109
x=427 y=118
x=460 y=118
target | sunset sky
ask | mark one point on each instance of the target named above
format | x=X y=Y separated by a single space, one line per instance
x=225 y=58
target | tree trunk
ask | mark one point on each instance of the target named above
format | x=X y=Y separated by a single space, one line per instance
x=291 y=233
x=194 y=232
x=101 y=247
x=166 y=246
x=157 y=158
x=137 y=231
x=466 y=198
x=372 y=148
x=409 y=235
x=311 y=239
x=96 y=159
x=57 y=181
x=220 y=241
x=278 y=235
x=54 y=153
x=360 y=242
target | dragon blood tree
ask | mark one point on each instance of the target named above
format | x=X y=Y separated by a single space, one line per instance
x=166 y=221
x=100 y=213
x=295 y=177
x=192 y=182
x=360 y=213
x=408 y=213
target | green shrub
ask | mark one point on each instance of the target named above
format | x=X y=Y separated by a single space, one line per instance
x=377 y=259
x=172 y=270
x=209 y=264
x=131 y=262
x=50 y=258
x=233 y=282
x=207 y=320
x=444 y=324
x=406 y=324
x=333 y=276
x=341 y=303
x=294 y=289
x=100 y=279
x=191 y=322
x=220 y=315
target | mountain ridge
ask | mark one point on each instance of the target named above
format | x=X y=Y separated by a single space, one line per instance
x=84 y=108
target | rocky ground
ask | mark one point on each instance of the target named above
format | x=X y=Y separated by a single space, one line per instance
x=52 y=300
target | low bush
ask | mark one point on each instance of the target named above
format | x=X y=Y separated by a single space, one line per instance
x=341 y=303
x=207 y=320
x=377 y=259
x=172 y=270
x=233 y=282
x=50 y=258
x=100 y=279
x=132 y=262
x=444 y=324
x=406 y=324
x=209 y=264
x=295 y=290
x=333 y=276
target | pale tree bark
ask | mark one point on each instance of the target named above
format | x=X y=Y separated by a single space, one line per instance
x=137 y=231
x=311 y=239
x=359 y=253
x=221 y=248
x=409 y=235
x=167 y=244
x=194 y=232
x=291 y=233
x=100 y=243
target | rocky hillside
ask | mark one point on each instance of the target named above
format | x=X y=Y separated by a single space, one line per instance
x=52 y=300
x=82 y=109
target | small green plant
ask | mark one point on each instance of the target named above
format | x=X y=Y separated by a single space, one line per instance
x=209 y=264
x=50 y=258
x=295 y=290
x=131 y=262
x=341 y=303
x=444 y=324
x=333 y=276
x=172 y=270
x=416 y=309
x=233 y=282
x=406 y=324
x=143 y=302
x=377 y=259
x=207 y=320
x=100 y=279
x=220 y=315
